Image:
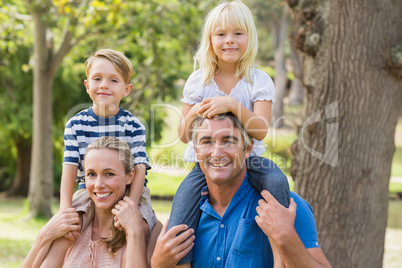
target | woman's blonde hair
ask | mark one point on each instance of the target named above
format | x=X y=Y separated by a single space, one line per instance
x=119 y=60
x=118 y=238
x=238 y=15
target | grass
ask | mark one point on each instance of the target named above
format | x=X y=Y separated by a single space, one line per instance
x=14 y=242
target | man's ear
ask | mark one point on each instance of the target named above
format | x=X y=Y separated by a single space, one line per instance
x=130 y=177
x=249 y=148
x=129 y=87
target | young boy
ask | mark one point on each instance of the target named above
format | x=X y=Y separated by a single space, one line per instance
x=108 y=81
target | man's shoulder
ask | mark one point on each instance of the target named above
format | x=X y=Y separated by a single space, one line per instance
x=302 y=205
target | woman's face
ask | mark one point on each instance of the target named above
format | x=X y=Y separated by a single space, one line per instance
x=105 y=178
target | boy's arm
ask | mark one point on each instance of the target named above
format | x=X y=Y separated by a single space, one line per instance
x=67 y=185
x=138 y=183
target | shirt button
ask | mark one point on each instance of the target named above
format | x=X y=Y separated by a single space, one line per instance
x=222 y=225
x=218 y=258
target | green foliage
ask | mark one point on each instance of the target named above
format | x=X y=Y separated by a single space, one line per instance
x=151 y=33
x=163 y=184
x=397 y=162
x=278 y=149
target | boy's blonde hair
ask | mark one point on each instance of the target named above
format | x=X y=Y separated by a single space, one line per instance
x=238 y=15
x=119 y=60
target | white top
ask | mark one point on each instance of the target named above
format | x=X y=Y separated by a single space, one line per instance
x=195 y=91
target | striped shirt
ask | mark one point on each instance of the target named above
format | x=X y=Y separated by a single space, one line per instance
x=85 y=127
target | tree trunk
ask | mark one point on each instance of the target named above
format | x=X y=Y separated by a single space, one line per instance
x=41 y=183
x=342 y=158
x=296 y=93
x=21 y=180
x=280 y=70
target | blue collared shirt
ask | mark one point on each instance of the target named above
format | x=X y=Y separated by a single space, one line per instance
x=235 y=240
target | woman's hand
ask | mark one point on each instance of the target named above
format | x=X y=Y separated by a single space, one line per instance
x=63 y=222
x=210 y=107
x=171 y=248
x=128 y=217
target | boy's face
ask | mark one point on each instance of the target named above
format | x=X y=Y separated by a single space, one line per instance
x=106 y=87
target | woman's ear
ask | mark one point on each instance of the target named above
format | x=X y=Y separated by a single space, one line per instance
x=130 y=177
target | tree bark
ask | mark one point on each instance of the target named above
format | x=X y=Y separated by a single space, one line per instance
x=280 y=30
x=296 y=93
x=41 y=183
x=342 y=158
x=47 y=61
x=21 y=180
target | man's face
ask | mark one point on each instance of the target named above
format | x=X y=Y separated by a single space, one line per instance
x=220 y=151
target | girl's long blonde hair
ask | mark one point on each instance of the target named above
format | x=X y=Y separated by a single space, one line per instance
x=118 y=238
x=238 y=15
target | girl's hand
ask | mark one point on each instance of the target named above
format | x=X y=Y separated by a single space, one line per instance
x=170 y=248
x=128 y=216
x=212 y=106
x=65 y=221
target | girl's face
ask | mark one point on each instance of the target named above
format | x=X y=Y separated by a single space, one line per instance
x=106 y=86
x=229 y=44
x=105 y=178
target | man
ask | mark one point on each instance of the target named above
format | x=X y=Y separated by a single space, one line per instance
x=236 y=220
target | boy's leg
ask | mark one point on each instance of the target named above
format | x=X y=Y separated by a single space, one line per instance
x=264 y=174
x=146 y=208
x=185 y=207
x=82 y=203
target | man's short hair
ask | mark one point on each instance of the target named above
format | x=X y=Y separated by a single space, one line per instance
x=232 y=118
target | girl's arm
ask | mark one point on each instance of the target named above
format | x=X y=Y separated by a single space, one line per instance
x=188 y=114
x=256 y=123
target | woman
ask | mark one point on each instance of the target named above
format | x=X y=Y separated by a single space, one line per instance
x=108 y=175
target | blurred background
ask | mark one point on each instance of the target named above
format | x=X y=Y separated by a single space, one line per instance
x=160 y=38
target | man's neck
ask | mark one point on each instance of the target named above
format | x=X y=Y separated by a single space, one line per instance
x=221 y=195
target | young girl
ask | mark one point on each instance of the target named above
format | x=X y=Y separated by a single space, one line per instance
x=227 y=82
